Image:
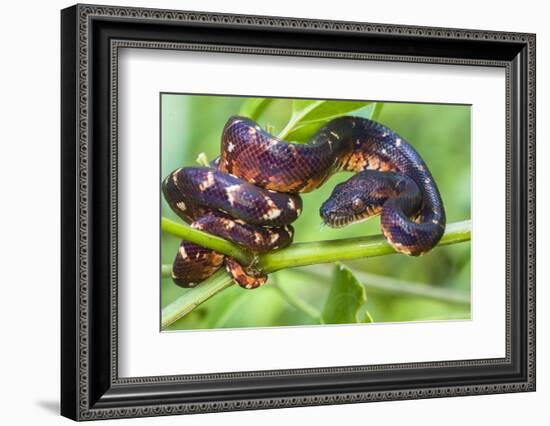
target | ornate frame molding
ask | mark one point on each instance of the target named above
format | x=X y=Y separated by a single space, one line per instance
x=112 y=396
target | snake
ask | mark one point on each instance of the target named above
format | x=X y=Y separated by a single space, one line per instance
x=250 y=193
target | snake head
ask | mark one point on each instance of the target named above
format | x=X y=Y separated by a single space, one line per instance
x=357 y=199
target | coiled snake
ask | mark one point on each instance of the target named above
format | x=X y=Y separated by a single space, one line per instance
x=249 y=195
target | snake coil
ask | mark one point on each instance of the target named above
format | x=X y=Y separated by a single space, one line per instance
x=249 y=195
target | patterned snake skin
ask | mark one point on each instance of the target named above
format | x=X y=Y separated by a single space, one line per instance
x=249 y=194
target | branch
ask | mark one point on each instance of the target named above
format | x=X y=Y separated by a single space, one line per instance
x=204 y=239
x=299 y=254
x=194 y=297
x=302 y=254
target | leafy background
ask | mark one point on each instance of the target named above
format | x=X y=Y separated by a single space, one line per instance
x=382 y=289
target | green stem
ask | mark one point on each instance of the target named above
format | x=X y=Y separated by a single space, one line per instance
x=194 y=297
x=385 y=284
x=299 y=254
x=206 y=240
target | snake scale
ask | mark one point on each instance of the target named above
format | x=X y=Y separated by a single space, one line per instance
x=249 y=194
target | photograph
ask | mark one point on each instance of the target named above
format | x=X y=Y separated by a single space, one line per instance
x=278 y=212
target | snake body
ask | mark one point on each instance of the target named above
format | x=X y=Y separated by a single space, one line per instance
x=249 y=194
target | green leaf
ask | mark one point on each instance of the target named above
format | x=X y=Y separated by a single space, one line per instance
x=345 y=300
x=377 y=110
x=308 y=116
x=254 y=107
x=325 y=110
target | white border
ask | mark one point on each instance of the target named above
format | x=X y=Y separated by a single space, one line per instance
x=143 y=351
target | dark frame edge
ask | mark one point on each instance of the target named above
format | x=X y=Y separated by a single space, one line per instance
x=69 y=272
x=103 y=404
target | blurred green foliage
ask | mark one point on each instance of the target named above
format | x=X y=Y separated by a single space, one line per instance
x=399 y=288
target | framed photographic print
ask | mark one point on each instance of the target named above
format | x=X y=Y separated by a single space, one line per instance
x=263 y=212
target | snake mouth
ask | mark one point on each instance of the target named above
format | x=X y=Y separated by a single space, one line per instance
x=340 y=221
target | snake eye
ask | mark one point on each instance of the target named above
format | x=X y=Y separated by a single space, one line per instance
x=357 y=204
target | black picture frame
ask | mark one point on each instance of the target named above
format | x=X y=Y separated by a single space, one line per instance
x=90 y=386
